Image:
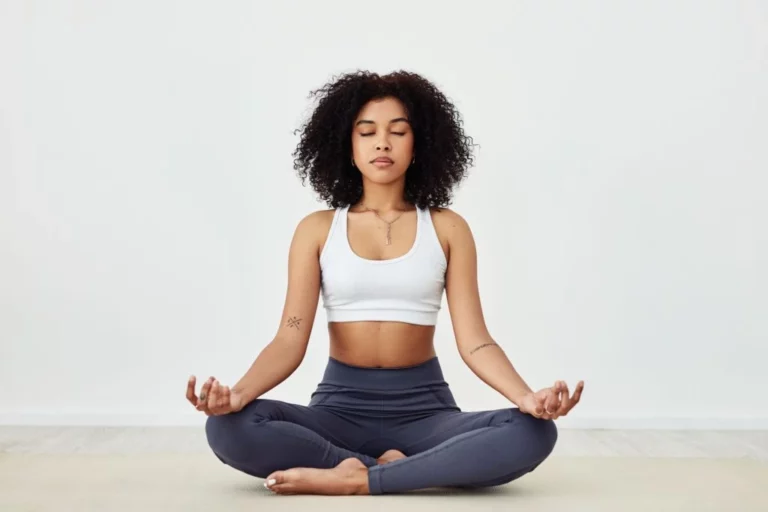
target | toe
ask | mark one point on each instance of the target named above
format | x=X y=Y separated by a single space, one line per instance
x=274 y=479
x=281 y=488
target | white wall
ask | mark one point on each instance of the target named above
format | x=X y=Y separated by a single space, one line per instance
x=147 y=197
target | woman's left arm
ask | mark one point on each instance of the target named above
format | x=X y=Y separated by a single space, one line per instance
x=477 y=348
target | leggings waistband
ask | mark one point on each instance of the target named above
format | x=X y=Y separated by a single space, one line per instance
x=425 y=374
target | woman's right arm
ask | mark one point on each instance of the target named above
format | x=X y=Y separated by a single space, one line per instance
x=282 y=356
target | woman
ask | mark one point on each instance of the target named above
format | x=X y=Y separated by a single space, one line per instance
x=385 y=153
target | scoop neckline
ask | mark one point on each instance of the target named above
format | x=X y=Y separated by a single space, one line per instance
x=410 y=252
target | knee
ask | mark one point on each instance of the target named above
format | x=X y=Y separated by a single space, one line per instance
x=539 y=436
x=226 y=433
x=222 y=433
x=546 y=435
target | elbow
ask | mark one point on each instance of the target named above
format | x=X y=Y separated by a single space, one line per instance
x=293 y=347
x=476 y=345
x=481 y=353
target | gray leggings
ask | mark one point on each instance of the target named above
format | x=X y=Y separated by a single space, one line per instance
x=363 y=412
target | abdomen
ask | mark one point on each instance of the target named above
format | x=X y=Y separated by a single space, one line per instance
x=381 y=344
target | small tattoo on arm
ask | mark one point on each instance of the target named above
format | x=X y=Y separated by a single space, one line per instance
x=481 y=346
x=294 y=322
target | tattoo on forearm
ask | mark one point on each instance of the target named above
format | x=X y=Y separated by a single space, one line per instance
x=294 y=322
x=481 y=346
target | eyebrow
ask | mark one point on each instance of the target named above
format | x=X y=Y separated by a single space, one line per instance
x=395 y=120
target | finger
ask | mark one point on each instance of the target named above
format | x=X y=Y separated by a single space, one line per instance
x=576 y=396
x=206 y=389
x=558 y=396
x=217 y=397
x=577 y=393
x=191 y=390
x=204 y=393
x=546 y=399
x=552 y=402
x=221 y=397
x=565 y=403
x=214 y=396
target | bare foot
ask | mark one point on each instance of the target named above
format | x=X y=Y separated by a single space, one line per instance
x=390 y=456
x=349 y=477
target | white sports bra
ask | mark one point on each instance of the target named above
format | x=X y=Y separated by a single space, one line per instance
x=408 y=288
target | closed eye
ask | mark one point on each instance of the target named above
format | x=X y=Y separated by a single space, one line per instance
x=393 y=133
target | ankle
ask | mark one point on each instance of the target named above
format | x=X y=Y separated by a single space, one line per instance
x=360 y=485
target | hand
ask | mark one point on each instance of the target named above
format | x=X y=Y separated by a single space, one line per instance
x=551 y=403
x=215 y=399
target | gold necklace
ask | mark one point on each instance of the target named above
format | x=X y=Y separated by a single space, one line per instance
x=389 y=224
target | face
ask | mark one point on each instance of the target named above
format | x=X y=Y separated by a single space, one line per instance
x=382 y=131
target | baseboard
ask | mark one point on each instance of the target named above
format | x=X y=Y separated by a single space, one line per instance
x=664 y=423
x=571 y=422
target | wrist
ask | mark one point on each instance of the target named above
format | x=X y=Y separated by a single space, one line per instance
x=239 y=400
x=517 y=396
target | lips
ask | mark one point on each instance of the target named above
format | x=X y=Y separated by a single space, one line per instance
x=383 y=160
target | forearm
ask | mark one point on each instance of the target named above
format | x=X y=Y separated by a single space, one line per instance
x=489 y=362
x=276 y=362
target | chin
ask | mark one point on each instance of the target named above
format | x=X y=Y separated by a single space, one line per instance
x=383 y=176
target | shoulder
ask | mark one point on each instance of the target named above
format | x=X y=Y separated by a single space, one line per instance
x=452 y=230
x=448 y=222
x=314 y=227
x=318 y=218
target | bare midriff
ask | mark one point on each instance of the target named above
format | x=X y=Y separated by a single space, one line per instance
x=381 y=344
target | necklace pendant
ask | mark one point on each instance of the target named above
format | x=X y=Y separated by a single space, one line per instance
x=389 y=238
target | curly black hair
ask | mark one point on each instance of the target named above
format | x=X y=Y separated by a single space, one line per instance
x=443 y=152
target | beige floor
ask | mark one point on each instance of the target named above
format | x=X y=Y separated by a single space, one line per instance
x=191 y=482
x=113 y=469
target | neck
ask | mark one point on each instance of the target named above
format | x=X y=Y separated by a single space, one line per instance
x=400 y=206
x=383 y=198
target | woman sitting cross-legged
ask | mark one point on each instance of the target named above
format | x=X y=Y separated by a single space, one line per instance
x=385 y=153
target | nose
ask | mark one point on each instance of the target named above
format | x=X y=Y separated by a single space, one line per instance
x=382 y=142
